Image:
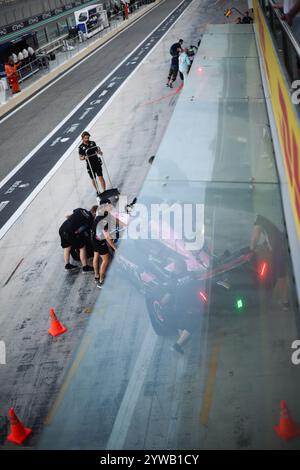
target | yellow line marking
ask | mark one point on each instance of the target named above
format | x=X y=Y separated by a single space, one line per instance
x=209 y=388
x=83 y=349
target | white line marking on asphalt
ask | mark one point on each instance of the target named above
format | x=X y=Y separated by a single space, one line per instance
x=110 y=85
x=13 y=187
x=3 y=204
x=80 y=62
x=72 y=128
x=103 y=93
x=87 y=110
x=65 y=139
x=93 y=102
x=54 y=142
x=58 y=164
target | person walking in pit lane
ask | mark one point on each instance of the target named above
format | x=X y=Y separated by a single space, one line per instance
x=175 y=50
x=173 y=72
x=89 y=151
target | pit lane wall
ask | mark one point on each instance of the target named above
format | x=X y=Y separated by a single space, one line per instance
x=286 y=126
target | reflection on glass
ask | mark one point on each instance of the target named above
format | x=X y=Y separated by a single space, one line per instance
x=170 y=309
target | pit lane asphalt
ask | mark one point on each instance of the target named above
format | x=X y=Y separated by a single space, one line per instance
x=24 y=130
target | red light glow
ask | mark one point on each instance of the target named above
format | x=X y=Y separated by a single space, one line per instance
x=203 y=296
x=263 y=269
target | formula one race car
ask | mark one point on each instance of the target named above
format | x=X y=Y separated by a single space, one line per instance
x=173 y=278
x=204 y=281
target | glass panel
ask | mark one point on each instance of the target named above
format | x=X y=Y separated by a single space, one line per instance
x=227 y=46
x=71 y=21
x=229 y=28
x=189 y=343
x=52 y=31
x=41 y=37
x=146 y=396
x=232 y=141
x=227 y=78
x=62 y=26
x=243 y=152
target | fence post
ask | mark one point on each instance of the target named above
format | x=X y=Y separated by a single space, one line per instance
x=2 y=353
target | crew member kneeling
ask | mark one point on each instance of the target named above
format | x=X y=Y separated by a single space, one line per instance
x=72 y=235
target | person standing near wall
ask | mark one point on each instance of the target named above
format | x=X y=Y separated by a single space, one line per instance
x=126 y=10
x=184 y=64
x=11 y=70
x=291 y=10
x=123 y=10
x=291 y=14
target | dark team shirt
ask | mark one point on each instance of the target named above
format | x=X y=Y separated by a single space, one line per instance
x=174 y=47
x=275 y=236
x=90 y=150
x=79 y=219
x=247 y=20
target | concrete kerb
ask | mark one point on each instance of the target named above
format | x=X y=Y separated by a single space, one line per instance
x=46 y=79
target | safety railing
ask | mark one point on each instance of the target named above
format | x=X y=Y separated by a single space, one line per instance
x=67 y=46
x=30 y=67
x=288 y=47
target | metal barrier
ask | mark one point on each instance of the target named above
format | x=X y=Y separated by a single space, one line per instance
x=31 y=67
x=70 y=46
x=287 y=45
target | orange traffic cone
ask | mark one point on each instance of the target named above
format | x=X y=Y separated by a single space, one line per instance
x=18 y=432
x=287 y=428
x=56 y=328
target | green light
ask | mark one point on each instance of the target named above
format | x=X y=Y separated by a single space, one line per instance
x=239 y=304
